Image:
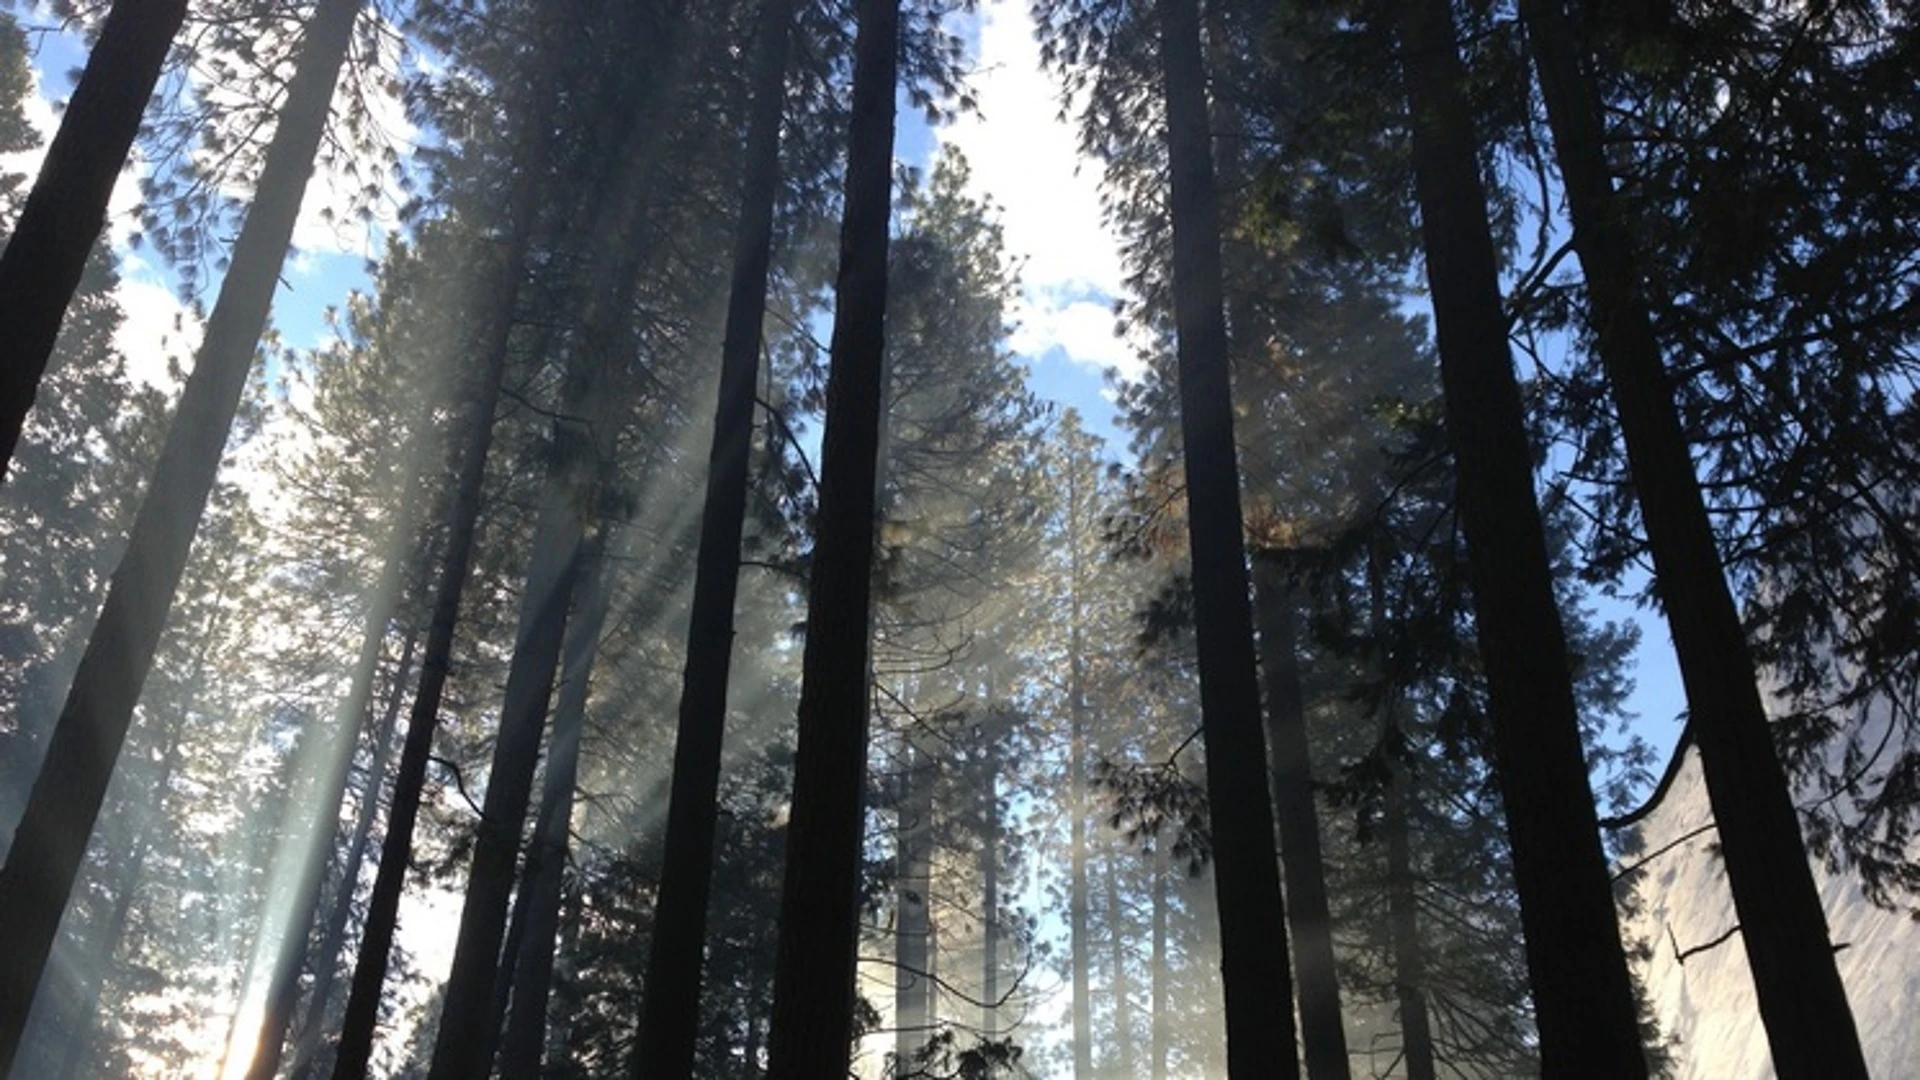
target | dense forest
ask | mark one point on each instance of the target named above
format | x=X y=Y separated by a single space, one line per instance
x=596 y=570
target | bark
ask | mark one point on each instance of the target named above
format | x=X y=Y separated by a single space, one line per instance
x=532 y=980
x=1160 y=1020
x=334 y=934
x=1122 y=985
x=553 y=569
x=1403 y=898
x=670 y=1016
x=1403 y=913
x=814 y=964
x=1079 y=941
x=990 y=892
x=1253 y=939
x=315 y=850
x=1803 y=1003
x=64 y=213
x=1322 y=1030
x=1583 y=996
x=66 y=796
x=913 y=918
x=500 y=296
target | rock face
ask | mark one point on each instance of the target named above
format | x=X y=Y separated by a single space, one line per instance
x=1705 y=1003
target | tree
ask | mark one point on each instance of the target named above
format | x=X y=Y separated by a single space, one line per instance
x=1260 y=1033
x=1583 y=994
x=813 y=982
x=44 y=259
x=673 y=971
x=66 y=796
x=1802 y=1001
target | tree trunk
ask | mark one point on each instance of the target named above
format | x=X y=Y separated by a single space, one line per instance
x=334 y=934
x=1078 y=939
x=1583 y=996
x=553 y=570
x=314 y=852
x=1322 y=1030
x=1122 y=988
x=671 y=1008
x=1253 y=938
x=60 y=812
x=913 y=915
x=990 y=889
x=1403 y=913
x=499 y=298
x=1403 y=898
x=1158 y=1005
x=540 y=892
x=1803 y=1002
x=814 y=967
x=63 y=215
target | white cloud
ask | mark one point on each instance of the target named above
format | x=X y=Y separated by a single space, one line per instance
x=154 y=327
x=1026 y=158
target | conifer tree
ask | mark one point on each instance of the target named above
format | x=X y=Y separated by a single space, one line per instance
x=66 y=797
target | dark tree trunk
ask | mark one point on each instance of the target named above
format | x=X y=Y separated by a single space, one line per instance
x=1803 y=1002
x=350 y=720
x=990 y=888
x=334 y=934
x=1253 y=938
x=540 y=893
x=671 y=1009
x=913 y=911
x=819 y=920
x=60 y=812
x=1583 y=996
x=1310 y=923
x=1403 y=912
x=553 y=570
x=67 y=207
x=1396 y=829
x=499 y=298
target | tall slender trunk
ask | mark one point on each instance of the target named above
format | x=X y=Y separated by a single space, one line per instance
x=1079 y=940
x=1403 y=914
x=913 y=911
x=499 y=297
x=1583 y=997
x=314 y=852
x=1396 y=828
x=540 y=893
x=1157 y=1005
x=671 y=1009
x=819 y=920
x=1309 y=921
x=1121 y=982
x=333 y=935
x=553 y=569
x=64 y=213
x=1803 y=1002
x=1253 y=937
x=990 y=889
x=60 y=812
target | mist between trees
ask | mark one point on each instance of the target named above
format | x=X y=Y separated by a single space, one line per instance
x=656 y=625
